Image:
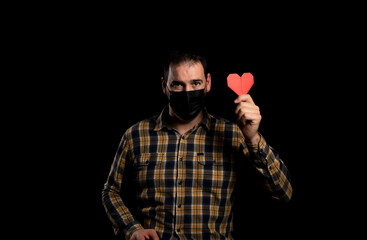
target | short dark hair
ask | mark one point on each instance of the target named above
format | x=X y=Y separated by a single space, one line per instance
x=179 y=56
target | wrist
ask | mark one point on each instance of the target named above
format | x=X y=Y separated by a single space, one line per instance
x=253 y=140
x=130 y=232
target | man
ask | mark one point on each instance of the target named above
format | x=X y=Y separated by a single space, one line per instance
x=179 y=168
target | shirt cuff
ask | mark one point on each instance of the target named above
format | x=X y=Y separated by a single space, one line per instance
x=256 y=148
x=259 y=152
x=132 y=229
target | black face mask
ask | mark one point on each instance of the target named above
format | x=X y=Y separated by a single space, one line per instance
x=187 y=104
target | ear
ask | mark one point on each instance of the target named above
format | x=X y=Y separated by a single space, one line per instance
x=164 y=85
x=208 y=82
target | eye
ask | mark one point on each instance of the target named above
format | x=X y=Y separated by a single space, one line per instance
x=175 y=84
x=197 y=83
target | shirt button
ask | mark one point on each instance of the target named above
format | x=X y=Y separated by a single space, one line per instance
x=178 y=230
x=179 y=206
x=180 y=182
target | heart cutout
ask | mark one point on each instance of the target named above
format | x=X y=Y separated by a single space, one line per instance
x=240 y=85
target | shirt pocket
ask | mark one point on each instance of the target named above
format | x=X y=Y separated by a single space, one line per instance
x=147 y=167
x=214 y=173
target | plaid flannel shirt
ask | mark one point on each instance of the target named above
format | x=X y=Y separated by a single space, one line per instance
x=183 y=184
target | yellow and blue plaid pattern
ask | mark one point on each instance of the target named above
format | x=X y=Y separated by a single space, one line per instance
x=183 y=184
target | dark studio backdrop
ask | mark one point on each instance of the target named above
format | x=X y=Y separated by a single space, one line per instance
x=82 y=74
x=108 y=78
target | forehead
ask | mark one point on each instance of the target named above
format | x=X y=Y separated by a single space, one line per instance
x=186 y=71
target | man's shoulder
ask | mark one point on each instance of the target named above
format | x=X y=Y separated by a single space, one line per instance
x=221 y=120
x=223 y=127
x=219 y=123
x=145 y=124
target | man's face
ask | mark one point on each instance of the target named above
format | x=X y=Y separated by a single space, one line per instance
x=186 y=77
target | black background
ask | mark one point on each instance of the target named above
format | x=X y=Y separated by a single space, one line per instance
x=96 y=73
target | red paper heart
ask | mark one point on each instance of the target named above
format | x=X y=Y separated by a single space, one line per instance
x=240 y=85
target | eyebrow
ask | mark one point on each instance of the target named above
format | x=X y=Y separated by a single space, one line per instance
x=191 y=81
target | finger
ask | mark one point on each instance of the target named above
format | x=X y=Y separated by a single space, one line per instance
x=153 y=235
x=245 y=106
x=246 y=112
x=249 y=116
x=244 y=98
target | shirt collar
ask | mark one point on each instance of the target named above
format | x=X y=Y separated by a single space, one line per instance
x=162 y=117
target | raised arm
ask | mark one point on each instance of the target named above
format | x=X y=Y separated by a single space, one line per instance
x=265 y=159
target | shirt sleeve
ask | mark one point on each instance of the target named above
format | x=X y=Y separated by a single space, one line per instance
x=275 y=174
x=119 y=214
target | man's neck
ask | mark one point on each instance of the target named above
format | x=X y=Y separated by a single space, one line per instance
x=183 y=126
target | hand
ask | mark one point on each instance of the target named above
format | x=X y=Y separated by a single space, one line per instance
x=145 y=234
x=248 y=118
